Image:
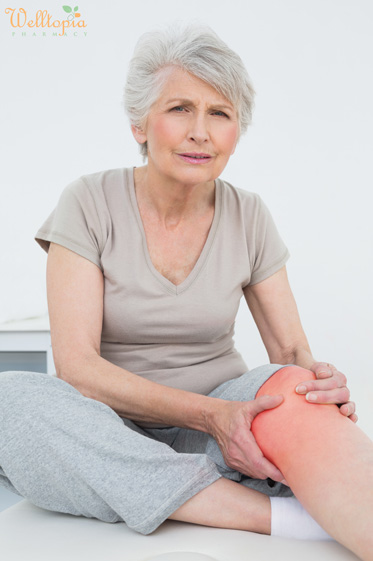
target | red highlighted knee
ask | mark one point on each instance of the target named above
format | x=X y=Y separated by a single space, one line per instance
x=282 y=432
x=285 y=381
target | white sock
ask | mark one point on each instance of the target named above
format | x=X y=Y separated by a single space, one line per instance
x=290 y=520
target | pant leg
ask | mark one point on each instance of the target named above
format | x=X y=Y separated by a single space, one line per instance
x=243 y=388
x=4 y=482
x=67 y=453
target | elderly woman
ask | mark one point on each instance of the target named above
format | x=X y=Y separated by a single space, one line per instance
x=153 y=413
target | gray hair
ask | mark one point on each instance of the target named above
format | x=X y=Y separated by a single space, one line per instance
x=195 y=48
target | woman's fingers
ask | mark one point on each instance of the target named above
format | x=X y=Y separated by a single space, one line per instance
x=319 y=385
x=232 y=432
x=323 y=369
x=348 y=409
x=247 y=458
x=263 y=403
x=337 y=395
x=260 y=466
x=270 y=471
x=330 y=387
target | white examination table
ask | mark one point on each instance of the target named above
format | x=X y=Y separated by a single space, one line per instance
x=28 y=533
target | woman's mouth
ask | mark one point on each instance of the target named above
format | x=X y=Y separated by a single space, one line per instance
x=195 y=157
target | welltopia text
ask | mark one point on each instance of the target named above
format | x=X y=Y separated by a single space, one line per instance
x=43 y=20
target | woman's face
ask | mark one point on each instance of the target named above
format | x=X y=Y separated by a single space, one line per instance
x=191 y=130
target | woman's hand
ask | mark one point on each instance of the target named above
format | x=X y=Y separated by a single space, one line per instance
x=330 y=387
x=231 y=428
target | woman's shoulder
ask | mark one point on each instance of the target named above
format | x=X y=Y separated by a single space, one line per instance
x=109 y=182
x=241 y=198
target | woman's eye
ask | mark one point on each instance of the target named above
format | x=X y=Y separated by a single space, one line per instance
x=178 y=108
x=220 y=114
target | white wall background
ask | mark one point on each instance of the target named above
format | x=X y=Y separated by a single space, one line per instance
x=308 y=152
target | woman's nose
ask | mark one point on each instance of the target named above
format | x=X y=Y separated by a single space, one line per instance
x=198 y=129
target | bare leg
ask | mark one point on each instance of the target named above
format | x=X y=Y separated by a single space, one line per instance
x=227 y=504
x=326 y=459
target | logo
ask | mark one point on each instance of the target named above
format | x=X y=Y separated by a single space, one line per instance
x=72 y=14
x=43 y=24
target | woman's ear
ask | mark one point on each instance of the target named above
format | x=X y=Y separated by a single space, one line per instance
x=139 y=134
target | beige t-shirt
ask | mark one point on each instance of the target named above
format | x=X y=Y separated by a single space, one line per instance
x=180 y=336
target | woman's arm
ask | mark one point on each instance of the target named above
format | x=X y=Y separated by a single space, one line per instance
x=75 y=289
x=275 y=312
x=75 y=299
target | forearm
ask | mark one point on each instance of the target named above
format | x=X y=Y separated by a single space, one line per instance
x=299 y=355
x=137 y=398
x=302 y=356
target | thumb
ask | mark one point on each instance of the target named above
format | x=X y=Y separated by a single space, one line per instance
x=265 y=402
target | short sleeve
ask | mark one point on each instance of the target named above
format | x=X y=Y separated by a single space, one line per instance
x=270 y=252
x=74 y=223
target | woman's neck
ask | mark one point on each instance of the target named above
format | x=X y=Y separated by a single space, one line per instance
x=173 y=203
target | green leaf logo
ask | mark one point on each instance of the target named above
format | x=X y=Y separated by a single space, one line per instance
x=72 y=13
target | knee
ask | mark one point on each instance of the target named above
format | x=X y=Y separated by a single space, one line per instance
x=295 y=407
x=15 y=377
x=282 y=429
x=23 y=392
x=15 y=386
x=14 y=382
x=285 y=380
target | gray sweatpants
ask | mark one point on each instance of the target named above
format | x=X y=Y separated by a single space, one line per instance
x=68 y=453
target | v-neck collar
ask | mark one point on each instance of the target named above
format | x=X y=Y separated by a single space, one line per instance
x=170 y=286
